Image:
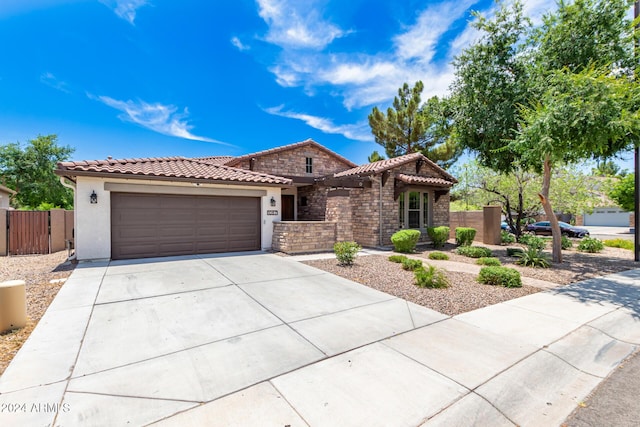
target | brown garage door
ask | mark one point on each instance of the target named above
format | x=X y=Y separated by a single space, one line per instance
x=150 y=225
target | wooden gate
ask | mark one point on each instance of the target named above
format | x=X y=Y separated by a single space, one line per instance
x=28 y=232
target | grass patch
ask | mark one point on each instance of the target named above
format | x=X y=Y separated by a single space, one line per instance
x=619 y=243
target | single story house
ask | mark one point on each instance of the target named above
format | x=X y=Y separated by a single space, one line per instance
x=295 y=198
x=5 y=196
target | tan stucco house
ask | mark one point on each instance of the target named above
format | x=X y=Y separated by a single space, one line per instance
x=5 y=196
x=295 y=198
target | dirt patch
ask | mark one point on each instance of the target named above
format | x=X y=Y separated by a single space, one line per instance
x=37 y=271
x=464 y=293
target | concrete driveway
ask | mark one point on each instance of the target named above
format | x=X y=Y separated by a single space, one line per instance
x=257 y=339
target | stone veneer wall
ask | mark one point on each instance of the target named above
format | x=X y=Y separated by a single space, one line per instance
x=303 y=236
x=293 y=163
x=364 y=207
x=315 y=209
x=339 y=211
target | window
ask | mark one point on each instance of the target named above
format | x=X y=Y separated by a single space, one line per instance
x=309 y=165
x=413 y=209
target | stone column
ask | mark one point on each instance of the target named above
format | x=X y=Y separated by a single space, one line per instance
x=491 y=225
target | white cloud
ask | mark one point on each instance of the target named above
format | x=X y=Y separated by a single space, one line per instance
x=51 y=81
x=164 y=119
x=238 y=44
x=358 y=132
x=125 y=9
x=297 y=24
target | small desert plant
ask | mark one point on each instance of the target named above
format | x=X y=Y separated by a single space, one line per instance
x=533 y=257
x=566 y=243
x=507 y=238
x=438 y=255
x=488 y=261
x=533 y=241
x=591 y=245
x=346 y=252
x=438 y=235
x=465 y=236
x=397 y=258
x=405 y=240
x=514 y=251
x=430 y=277
x=619 y=243
x=411 y=264
x=474 y=251
x=500 y=276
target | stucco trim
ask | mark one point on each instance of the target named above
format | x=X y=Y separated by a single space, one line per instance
x=192 y=191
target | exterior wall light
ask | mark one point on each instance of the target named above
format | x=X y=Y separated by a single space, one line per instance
x=93 y=198
x=273 y=201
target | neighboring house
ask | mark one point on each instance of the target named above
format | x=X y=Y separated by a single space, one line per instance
x=610 y=216
x=174 y=206
x=5 y=196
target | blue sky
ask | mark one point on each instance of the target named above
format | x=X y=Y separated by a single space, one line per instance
x=153 y=78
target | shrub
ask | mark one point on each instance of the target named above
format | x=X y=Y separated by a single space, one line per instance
x=533 y=257
x=397 y=258
x=506 y=237
x=500 y=276
x=465 y=236
x=430 y=277
x=438 y=255
x=438 y=235
x=411 y=264
x=591 y=245
x=514 y=251
x=566 y=243
x=619 y=243
x=533 y=241
x=488 y=261
x=346 y=252
x=405 y=240
x=474 y=251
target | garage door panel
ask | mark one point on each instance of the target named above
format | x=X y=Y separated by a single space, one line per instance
x=148 y=225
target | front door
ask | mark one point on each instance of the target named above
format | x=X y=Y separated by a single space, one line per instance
x=288 y=207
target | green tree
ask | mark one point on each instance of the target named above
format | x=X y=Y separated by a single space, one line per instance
x=555 y=101
x=623 y=192
x=29 y=171
x=410 y=126
x=375 y=157
x=606 y=167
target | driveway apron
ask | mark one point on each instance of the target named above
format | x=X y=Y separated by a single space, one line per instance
x=258 y=339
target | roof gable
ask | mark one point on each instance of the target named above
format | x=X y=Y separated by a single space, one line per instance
x=309 y=142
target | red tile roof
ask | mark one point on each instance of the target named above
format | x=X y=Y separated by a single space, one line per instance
x=236 y=160
x=419 y=179
x=167 y=167
x=383 y=165
x=214 y=160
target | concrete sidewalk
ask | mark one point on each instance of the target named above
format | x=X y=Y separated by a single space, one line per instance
x=257 y=339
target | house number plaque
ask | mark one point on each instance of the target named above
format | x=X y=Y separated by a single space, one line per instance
x=274 y=212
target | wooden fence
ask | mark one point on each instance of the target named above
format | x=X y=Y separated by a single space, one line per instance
x=34 y=232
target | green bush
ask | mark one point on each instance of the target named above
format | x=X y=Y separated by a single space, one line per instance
x=566 y=243
x=533 y=257
x=590 y=244
x=397 y=258
x=346 y=252
x=438 y=235
x=411 y=264
x=488 y=261
x=405 y=240
x=430 y=277
x=533 y=241
x=465 y=236
x=474 y=251
x=500 y=276
x=619 y=243
x=438 y=255
x=507 y=238
x=514 y=251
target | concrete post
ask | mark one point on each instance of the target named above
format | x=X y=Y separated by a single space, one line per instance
x=13 y=305
x=4 y=238
x=491 y=225
x=57 y=234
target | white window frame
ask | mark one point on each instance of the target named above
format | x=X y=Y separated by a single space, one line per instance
x=426 y=218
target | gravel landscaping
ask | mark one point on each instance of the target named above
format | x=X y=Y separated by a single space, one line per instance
x=37 y=271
